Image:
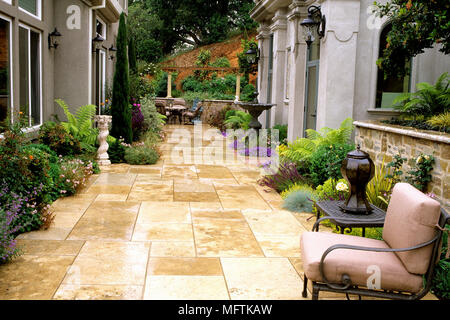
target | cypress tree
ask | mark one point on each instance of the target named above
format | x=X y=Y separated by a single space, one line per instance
x=132 y=56
x=120 y=108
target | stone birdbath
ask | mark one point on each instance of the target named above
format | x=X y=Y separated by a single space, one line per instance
x=103 y=123
x=255 y=109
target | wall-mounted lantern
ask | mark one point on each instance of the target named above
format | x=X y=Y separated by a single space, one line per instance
x=253 y=54
x=112 y=52
x=52 y=39
x=314 y=25
x=98 y=42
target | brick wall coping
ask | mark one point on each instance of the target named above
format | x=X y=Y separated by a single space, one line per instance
x=441 y=137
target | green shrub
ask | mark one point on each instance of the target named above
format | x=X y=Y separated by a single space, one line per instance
x=328 y=190
x=248 y=93
x=58 y=139
x=141 y=155
x=116 y=151
x=153 y=120
x=282 y=132
x=326 y=162
x=440 y=284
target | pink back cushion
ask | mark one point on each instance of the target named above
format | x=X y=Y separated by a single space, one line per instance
x=410 y=220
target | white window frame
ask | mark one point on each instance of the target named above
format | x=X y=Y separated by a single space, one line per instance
x=38 y=9
x=35 y=126
x=11 y=78
x=287 y=75
x=102 y=84
x=105 y=30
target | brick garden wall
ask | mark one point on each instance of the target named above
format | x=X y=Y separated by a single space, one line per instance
x=381 y=140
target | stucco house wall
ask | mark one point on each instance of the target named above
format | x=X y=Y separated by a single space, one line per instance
x=347 y=71
x=68 y=72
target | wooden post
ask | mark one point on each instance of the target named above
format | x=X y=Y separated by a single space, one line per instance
x=238 y=87
x=169 y=85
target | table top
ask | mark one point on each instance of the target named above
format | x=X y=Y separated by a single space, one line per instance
x=331 y=208
x=177 y=108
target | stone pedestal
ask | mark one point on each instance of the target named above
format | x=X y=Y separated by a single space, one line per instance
x=103 y=126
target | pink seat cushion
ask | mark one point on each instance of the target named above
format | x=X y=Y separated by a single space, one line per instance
x=355 y=263
x=410 y=220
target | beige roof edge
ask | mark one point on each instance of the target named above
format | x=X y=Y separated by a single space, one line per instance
x=264 y=8
x=111 y=9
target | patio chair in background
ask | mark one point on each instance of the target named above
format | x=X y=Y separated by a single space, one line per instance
x=194 y=113
x=392 y=268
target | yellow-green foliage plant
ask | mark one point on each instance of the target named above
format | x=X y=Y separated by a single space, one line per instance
x=379 y=187
x=441 y=121
x=297 y=187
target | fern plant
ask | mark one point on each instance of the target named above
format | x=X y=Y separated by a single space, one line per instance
x=429 y=100
x=236 y=119
x=80 y=124
x=302 y=149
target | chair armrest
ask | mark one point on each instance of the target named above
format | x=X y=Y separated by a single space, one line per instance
x=317 y=224
x=346 y=280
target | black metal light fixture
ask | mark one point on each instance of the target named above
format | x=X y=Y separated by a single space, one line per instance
x=112 y=52
x=314 y=25
x=52 y=39
x=98 y=42
x=253 y=54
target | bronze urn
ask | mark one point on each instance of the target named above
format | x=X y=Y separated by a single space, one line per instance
x=358 y=169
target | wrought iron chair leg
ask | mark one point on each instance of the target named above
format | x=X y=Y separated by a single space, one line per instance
x=315 y=293
x=305 y=287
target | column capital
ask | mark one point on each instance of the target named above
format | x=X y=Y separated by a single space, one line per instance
x=263 y=32
x=279 y=21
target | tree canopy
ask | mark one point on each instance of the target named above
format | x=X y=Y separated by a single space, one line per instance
x=416 y=25
x=159 y=26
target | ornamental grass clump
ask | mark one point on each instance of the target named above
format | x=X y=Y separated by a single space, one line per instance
x=299 y=201
x=286 y=176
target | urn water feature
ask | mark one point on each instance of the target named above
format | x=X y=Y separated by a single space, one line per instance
x=358 y=169
x=255 y=109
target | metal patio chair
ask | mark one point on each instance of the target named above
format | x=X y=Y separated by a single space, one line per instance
x=392 y=268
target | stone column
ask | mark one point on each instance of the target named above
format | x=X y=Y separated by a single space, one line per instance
x=238 y=87
x=297 y=74
x=169 y=85
x=278 y=28
x=263 y=38
x=103 y=126
x=336 y=96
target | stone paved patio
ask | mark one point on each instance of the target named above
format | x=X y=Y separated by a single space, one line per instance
x=196 y=230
